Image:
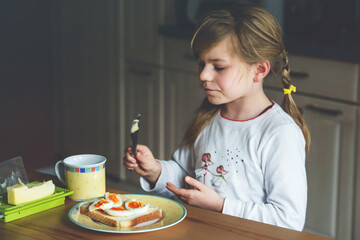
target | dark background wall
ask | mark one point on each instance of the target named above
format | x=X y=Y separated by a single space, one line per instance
x=26 y=82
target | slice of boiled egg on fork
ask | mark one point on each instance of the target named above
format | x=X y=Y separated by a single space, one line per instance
x=132 y=207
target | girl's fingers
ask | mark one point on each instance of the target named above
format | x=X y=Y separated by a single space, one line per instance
x=195 y=183
x=129 y=162
x=129 y=156
x=128 y=150
x=182 y=193
x=130 y=166
x=171 y=187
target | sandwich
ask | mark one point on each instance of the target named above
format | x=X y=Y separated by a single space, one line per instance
x=119 y=211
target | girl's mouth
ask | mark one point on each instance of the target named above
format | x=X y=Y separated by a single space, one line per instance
x=209 y=91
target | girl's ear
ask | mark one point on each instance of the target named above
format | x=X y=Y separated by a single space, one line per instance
x=262 y=70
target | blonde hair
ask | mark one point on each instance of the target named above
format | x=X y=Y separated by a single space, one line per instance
x=256 y=36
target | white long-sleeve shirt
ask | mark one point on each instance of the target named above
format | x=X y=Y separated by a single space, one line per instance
x=263 y=159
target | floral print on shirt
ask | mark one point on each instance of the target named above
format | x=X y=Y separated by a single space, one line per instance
x=217 y=179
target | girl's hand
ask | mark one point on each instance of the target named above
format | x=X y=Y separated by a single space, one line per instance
x=202 y=196
x=145 y=164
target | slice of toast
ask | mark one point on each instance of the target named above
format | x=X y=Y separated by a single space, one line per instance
x=121 y=222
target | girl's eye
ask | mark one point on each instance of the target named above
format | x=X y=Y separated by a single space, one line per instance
x=219 y=68
x=201 y=65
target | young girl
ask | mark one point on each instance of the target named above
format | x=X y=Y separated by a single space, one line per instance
x=243 y=155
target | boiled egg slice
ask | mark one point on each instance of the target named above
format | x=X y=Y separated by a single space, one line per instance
x=101 y=204
x=132 y=207
x=132 y=204
x=114 y=198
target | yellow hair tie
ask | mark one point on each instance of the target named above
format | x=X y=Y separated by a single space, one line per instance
x=292 y=88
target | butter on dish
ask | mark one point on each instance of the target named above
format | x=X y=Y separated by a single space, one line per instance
x=21 y=193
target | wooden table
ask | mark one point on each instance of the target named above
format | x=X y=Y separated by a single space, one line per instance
x=198 y=224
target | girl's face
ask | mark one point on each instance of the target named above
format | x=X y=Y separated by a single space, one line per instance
x=224 y=76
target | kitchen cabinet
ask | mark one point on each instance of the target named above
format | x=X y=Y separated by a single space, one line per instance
x=142 y=18
x=328 y=92
x=183 y=93
x=323 y=78
x=86 y=97
x=177 y=55
x=357 y=182
x=183 y=96
x=143 y=95
x=329 y=165
x=142 y=77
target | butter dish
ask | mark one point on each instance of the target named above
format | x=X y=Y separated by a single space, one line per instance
x=12 y=212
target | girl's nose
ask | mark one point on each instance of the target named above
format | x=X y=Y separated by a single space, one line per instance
x=204 y=74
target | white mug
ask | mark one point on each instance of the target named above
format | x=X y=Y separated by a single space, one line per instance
x=84 y=174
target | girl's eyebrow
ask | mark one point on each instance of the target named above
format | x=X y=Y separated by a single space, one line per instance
x=212 y=60
x=217 y=60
